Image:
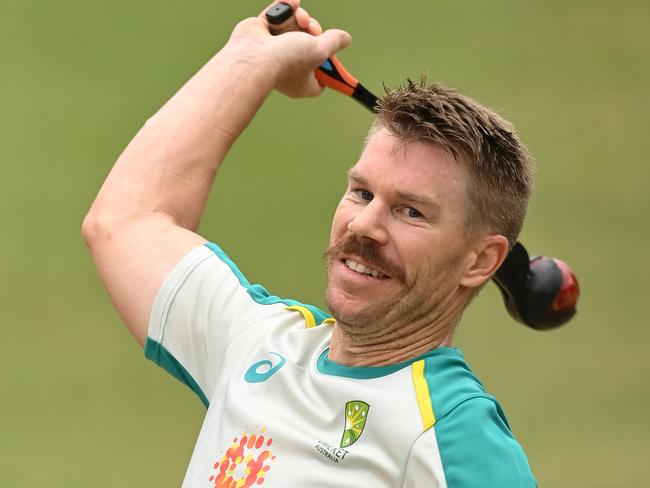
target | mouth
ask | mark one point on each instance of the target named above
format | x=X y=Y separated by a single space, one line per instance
x=363 y=269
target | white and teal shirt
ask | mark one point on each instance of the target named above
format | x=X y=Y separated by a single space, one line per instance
x=282 y=414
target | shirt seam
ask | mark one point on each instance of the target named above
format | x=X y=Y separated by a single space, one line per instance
x=438 y=420
x=464 y=400
x=169 y=301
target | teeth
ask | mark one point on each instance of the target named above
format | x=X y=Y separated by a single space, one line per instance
x=360 y=268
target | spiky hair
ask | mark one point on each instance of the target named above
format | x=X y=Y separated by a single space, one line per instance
x=499 y=165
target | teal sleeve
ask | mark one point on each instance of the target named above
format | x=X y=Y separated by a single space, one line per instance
x=477 y=448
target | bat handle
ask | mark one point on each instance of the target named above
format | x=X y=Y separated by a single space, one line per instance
x=281 y=19
x=331 y=72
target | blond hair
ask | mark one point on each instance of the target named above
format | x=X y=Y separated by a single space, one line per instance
x=499 y=165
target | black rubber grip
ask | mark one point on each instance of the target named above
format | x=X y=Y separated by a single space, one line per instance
x=281 y=19
x=280 y=12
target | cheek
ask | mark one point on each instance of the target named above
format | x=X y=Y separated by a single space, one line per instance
x=425 y=259
x=340 y=221
x=414 y=257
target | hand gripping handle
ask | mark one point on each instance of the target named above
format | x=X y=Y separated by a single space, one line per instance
x=331 y=72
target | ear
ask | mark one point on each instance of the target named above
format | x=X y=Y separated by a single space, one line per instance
x=488 y=254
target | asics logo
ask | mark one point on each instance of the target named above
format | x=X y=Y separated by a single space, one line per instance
x=264 y=369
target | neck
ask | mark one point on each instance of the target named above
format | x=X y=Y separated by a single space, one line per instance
x=394 y=343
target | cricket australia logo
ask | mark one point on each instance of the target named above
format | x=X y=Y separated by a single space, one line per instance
x=356 y=414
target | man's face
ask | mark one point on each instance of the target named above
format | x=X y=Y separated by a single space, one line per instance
x=397 y=247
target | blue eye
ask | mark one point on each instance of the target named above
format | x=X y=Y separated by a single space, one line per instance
x=412 y=213
x=364 y=195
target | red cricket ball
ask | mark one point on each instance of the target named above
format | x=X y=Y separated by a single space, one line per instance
x=567 y=296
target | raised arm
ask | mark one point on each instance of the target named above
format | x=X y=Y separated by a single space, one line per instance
x=145 y=216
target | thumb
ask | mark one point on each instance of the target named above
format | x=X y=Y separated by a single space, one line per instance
x=331 y=41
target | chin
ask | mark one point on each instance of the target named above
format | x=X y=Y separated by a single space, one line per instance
x=351 y=311
x=337 y=304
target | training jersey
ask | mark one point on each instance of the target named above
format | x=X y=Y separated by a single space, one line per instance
x=280 y=413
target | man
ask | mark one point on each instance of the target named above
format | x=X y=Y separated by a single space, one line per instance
x=371 y=394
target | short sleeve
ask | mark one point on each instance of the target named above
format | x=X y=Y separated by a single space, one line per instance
x=470 y=447
x=202 y=305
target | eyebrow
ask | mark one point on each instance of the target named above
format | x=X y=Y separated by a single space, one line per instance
x=403 y=195
x=353 y=174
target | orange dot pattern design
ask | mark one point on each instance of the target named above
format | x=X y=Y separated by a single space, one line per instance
x=245 y=462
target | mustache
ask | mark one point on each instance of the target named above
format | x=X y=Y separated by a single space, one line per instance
x=368 y=252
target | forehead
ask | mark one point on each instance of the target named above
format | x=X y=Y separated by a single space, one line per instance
x=412 y=167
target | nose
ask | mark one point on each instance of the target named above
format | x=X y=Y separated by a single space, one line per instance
x=369 y=224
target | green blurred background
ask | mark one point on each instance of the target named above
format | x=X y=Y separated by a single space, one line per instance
x=82 y=407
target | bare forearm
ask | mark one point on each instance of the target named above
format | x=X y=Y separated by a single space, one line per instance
x=144 y=217
x=169 y=166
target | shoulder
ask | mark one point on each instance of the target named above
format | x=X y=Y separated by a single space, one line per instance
x=207 y=312
x=207 y=277
x=469 y=436
x=260 y=295
x=477 y=447
x=449 y=379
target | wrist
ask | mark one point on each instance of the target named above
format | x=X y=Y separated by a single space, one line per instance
x=227 y=91
x=248 y=61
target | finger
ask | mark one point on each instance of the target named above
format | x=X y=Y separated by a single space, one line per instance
x=333 y=40
x=314 y=88
x=314 y=28
x=302 y=18
x=317 y=88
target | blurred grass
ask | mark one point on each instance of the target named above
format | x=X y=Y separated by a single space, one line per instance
x=82 y=408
